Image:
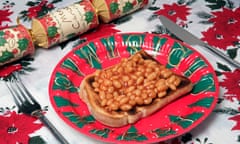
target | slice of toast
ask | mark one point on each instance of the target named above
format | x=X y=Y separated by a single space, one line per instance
x=117 y=104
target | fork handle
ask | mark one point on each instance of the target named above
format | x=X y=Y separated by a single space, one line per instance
x=51 y=127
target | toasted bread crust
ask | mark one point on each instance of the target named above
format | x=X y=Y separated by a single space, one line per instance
x=121 y=118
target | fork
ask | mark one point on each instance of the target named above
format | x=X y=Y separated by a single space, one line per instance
x=28 y=105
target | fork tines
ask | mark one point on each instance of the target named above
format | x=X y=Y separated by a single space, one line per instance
x=20 y=93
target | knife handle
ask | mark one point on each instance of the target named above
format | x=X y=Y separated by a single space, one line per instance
x=223 y=56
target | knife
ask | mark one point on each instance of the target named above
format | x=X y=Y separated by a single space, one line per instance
x=190 y=39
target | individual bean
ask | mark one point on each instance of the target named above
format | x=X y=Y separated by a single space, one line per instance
x=126 y=107
x=152 y=93
x=152 y=76
x=125 y=78
x=128 y=69
x=140 y=80
x=114 y=106
x=120 y=97
x=162 y=94
x=148 y=70
x=130 y=89
x=103 y=87
x=132 y=97
x=117 y=84
x=110 y=89
x=107 y=82
x=138 y=73
x=171 y=79
x=109 y=102
x=147 y=101
x=166 y=73
x=132 y=102
x=137 y=92
x=103 y=102
x=136 y=57
x=120 y=70
x=172 y=86
x=139 y=100
x=177 y=82
x=134 y=77
x=97 y=90
x=130 y=82
x=102 y=95
x=100 y=80
x=109 y=96
x=124 y=100
x=144 y=95
x=161 y=85
x=95 y=84
x=115 y=94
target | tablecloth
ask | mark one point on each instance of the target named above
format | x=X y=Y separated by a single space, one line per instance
x=216 y=22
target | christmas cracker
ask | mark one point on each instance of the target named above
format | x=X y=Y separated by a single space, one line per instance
x=61 y=25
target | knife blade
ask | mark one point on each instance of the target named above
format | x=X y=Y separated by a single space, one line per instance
x=191 y=39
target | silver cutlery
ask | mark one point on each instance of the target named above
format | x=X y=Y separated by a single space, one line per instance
x=190 y=39
x=28 y=105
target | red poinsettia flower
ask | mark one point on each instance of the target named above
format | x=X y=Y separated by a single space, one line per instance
x=16 y=128
x=7 y=70
x=218 y=38
x=39 y=9
x=33 y=11
x=5 y=17
x=174 y=12
x=237 y=119
x=232 y=83
x=102 y=30
x=227 y=21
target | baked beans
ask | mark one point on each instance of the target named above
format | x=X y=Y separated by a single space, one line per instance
x=133 y=81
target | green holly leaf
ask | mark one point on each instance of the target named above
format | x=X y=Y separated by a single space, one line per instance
x=70 y=64
x=205 y=102
x=6 y=55
x=61 y=102
x=31 y=3
x=23 y=44
x=102 y=133
x=164 y=132
x=185 y=121
x=232 y=52
x=36 y=140
x=132 y=135
x=88 y=52
x=2 y=41
x=128 y=7
x=153 y=8
x=63 y=83
x=56 y=1
x=216 y=4
x=114 y=7
x=206 y=83
x=89 y=17
x=78 y=120
x=218 y=73
x=52 y=31
x=223 y=67
x=2 y=33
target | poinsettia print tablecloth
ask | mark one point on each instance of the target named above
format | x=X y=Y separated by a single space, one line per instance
x=216 y=22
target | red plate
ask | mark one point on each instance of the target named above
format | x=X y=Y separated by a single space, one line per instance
x=171 y=121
